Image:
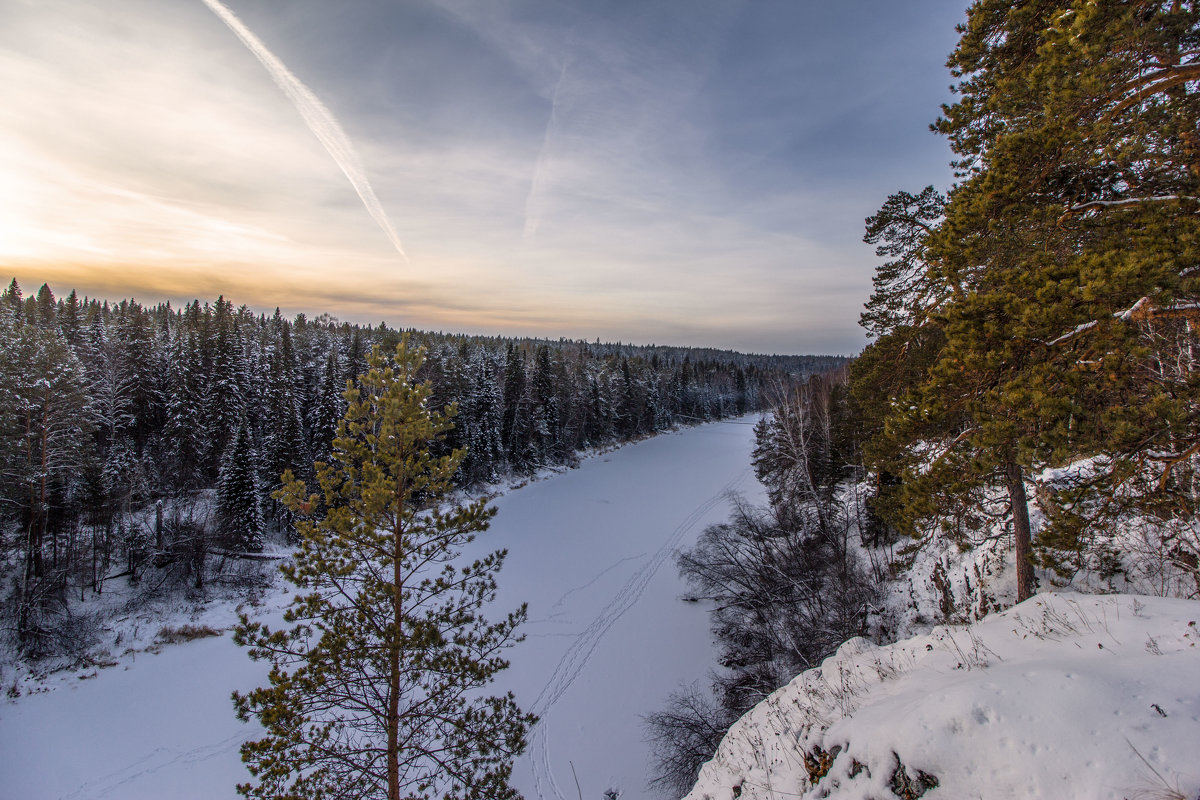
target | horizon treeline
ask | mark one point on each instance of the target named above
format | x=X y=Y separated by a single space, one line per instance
x=109 y=408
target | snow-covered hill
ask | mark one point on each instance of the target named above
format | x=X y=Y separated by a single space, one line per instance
x=1062 y=696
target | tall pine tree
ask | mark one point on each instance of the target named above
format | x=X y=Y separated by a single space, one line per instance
x=376 y=688
x=1074 y=229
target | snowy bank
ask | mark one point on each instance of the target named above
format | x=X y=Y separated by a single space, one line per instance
x=1064 y=695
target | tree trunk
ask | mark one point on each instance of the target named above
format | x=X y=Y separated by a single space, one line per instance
x=393 y=708
x=33 y=545
x=43 y=511
x=158 y=526
x=1021 y=529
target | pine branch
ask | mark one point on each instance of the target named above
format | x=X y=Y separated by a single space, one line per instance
x=1132 y=201
x=1142 y=309
x=1159 y=82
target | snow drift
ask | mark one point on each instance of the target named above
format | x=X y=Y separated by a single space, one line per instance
x=1064 y=695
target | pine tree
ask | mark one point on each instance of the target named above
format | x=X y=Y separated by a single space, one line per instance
x=375 y=687
x=239 y=504
x=1075 y=222
x=44 y=388
x=904 y=288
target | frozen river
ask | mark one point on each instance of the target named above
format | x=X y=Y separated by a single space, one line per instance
x=608 y=636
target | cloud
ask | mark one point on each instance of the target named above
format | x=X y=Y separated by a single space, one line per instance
x=118 y=136
x=533 y=201
x=653 y=172
x=318 y=119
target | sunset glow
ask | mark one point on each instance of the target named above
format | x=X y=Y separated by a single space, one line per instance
x=647 y=177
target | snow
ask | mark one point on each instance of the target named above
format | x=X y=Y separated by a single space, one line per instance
x=1128 y=202
x=1141 y=309
x=608 y=638
x=591 y=551
x=152 y=725
x=1064 y=695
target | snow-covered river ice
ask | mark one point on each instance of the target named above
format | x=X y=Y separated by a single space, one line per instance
x=608 y=639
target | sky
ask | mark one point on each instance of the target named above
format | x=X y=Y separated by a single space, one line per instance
x=690 y=172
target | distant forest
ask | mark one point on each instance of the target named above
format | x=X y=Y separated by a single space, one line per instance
x=128 y=433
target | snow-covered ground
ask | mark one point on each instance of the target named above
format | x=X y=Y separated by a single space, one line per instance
x=608 y=636
x=1063 y=696
x=590 y=551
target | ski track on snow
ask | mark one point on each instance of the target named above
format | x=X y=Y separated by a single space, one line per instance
x=558 y=603
x=576 y=659
x=160 y=758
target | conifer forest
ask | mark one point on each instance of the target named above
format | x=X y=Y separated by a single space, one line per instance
x=148 y=442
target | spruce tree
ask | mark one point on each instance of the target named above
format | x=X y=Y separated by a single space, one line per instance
x=133 y=328
x=486 y=452
x=630 y=403
x=515 y=423
x=328 y=407
x=224 y=394
x=183 y=428
x=376 y=686
x=112 y=415
x=239 y=509
x=14 y=302
x=284 y=444
x=546 y=413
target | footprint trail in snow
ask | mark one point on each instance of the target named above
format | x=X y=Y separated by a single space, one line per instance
x=576 y=659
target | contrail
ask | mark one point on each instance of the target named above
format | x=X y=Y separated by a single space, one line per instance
x=318 y=118
x=533 y=201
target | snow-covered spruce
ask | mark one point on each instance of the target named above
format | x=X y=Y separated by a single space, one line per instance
x=1064 y=695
